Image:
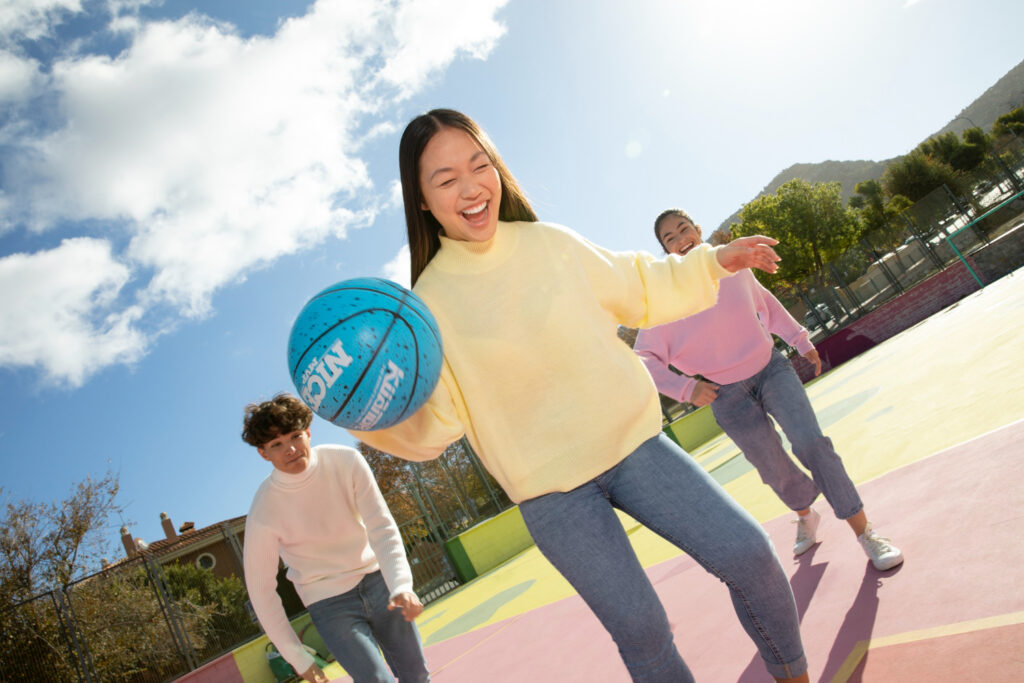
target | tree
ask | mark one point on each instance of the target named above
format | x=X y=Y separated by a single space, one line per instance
x=449 y=487
x=916 y=175
x=879 y=216
x=809 y=221
x=47 y=551
x=1009 y=123
x=216 y=603
x=49 y=545
x=394 y=479
x=960 y=154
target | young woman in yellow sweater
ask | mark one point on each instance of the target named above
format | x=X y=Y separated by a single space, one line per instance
x=561 y=412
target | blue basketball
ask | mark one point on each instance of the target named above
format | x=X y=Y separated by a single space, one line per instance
x=365 y=353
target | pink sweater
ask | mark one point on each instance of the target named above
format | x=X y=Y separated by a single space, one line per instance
x=727 y=343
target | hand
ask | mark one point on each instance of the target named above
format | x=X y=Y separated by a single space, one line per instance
x=704 y=394
x=315 y=674
x=408 y=603
x=749 y=252
x=815 y=360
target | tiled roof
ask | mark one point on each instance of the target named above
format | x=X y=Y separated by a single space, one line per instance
x=165 y=546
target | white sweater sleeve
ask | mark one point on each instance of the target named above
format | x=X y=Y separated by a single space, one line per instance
x=261 y=561
x=381 y=530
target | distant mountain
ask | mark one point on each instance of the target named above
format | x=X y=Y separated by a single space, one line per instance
x=847 y=173
x=1006 y=94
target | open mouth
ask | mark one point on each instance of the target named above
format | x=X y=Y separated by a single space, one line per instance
x=476 y=215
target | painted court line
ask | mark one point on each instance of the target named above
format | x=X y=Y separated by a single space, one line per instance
x=862 y=647
x=504 y=626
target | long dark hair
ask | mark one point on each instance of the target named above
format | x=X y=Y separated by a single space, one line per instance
x=665 y=214
x=423 y=228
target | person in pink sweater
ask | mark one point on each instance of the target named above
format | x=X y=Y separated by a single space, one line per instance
x=728 y=360
x=321 y=512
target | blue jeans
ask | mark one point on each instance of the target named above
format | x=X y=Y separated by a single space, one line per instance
x=742 y=410
x=661 y=487
x=356 y=622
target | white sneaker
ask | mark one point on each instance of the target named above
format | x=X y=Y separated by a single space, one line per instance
x=884 y=555
x=806 y=532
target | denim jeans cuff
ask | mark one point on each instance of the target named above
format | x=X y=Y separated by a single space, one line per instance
x=788 y=670
x=859 y=507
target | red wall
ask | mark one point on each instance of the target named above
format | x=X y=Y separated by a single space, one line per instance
x=925 y=299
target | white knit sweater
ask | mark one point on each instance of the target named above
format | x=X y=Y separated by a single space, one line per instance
x=331 y=527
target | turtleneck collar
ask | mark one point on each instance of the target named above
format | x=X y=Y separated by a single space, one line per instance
x=291 y=481
x=477 y=257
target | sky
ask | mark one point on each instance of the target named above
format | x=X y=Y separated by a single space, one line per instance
x=177 y=178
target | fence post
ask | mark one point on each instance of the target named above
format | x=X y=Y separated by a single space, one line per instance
x=881 y=265
x=66 y=617
x=231 y=539
x=936 y=261
x=814 y=311
x=841 y=282
x=441 y=523
x=964 y=210
x=1009 y=174
x=435 y=530
x=480 y=472
x=457 y=488
x=175 y=624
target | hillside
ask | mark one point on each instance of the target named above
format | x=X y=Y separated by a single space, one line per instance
x=1006 y=94
x=847 y=173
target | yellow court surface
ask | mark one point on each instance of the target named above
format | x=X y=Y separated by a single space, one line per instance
x=928 y=423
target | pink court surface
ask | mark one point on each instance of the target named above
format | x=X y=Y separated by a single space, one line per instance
x=930 y=424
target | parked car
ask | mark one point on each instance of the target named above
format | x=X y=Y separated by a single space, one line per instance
x=811 y=321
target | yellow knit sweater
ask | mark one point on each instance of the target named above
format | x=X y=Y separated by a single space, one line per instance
x=534 y=372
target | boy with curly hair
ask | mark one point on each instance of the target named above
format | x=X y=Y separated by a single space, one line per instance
x=321 y=512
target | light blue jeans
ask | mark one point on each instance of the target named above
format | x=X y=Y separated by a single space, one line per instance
x=356 y=622
x=742 y=410
x=661 y=487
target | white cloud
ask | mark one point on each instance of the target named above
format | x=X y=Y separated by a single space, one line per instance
x=33 y=19
x=65 y=318
x=18 y=76
x=395 y=193
x=398 y=268
x=429 y=34
x=217 y=154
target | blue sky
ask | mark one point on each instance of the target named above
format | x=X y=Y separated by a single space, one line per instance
x=177 y=178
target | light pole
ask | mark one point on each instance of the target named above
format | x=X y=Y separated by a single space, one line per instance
x=968 y=120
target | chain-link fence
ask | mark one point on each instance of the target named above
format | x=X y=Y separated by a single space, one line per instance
x=36 y=643
x=432 y=502
x=976 y=222
x=145 y=620
x=946 y=227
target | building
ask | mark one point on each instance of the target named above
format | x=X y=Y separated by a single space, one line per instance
x=217 y=548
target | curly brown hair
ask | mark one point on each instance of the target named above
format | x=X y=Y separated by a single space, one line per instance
x=268 y=420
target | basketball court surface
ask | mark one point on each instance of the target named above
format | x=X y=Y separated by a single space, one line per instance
x=930 y=425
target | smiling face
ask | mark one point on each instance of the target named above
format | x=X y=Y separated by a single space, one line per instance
x=678 y=234
x=460 y=186
x=288 y=452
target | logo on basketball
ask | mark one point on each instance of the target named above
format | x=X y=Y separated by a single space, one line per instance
x=385 y=391
x=321 y=373
x=365 y=353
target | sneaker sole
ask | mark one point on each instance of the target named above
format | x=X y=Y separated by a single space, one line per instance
x=889 y=565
